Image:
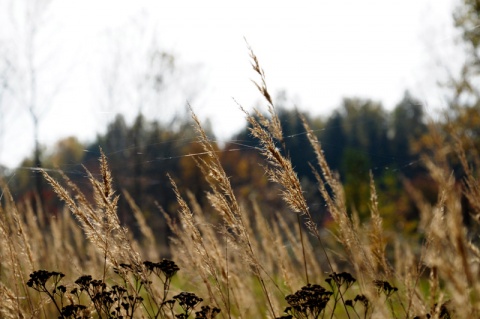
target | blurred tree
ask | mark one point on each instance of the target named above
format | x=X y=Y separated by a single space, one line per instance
x=166 y=148
x=365 y=124
x=467 y=19
x=464 y=112
x=134 y=82
x=116 y=145
x=162 y=155
x=334 y=140
x=356 y=167
x=67 y=152
x=407 y=127
x=137 y=74
x=137 y=135
x=30 y=81
x=355 y=141
x=115 y=140
x=298 y=148
x=6 y=69
x=244 y=165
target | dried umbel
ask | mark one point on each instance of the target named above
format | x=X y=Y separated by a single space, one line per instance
x=308 y=302
x=120 y=300
x=165 y=267
x=38 y=280
x=207 y=312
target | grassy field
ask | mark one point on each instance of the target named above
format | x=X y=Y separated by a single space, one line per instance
x=238 y=264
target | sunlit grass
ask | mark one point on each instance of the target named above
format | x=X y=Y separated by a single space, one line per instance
x=234 y=261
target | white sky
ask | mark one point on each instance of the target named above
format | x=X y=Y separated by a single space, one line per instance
x=318 y=51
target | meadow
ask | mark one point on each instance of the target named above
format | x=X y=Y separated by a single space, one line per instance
x=237 y=262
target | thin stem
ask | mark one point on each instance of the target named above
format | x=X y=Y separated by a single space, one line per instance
x=303 y=248
x=54 y=302
x=226 y=270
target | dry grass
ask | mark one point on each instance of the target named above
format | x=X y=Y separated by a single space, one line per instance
x=239 y=261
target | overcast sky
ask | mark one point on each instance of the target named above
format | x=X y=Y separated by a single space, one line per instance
x=318 y=51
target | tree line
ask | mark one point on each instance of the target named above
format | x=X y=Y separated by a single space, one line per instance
x=361 y=136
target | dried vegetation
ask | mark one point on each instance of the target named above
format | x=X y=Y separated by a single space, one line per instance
x=238 y=263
